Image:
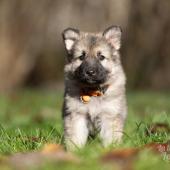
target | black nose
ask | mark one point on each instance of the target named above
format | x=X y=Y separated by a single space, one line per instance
x=91 y=72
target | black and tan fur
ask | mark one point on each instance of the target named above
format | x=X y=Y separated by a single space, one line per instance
x=93 y=62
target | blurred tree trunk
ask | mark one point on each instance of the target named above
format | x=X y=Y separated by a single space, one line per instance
x=147 y=48
x=32 y=52
x=20 y=40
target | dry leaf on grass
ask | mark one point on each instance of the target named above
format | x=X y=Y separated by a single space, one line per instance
x=159 y=147
x=128 y=153
x=51 y=148
x=125 y=157
x=50 y=153
x=122 y=157
x=121 y=154
x=157 y=128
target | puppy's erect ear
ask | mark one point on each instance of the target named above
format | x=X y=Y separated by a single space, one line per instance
x=70 y=35
x=113 y=36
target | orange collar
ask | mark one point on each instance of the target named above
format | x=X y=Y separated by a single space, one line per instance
x=87 y=93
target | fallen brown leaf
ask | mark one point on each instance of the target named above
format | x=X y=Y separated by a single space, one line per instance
x=51 y=148
x=157 y=128
x=52 y=153
x=120 y=154
x=30 y=139
x=159 y=147
x=125 y=157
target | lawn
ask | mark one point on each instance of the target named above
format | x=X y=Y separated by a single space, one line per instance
x=30 y=119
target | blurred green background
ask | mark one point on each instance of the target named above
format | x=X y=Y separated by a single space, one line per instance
x=31 y=47
x=32 y=58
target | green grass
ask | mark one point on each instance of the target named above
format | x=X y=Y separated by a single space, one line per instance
x=30 y=119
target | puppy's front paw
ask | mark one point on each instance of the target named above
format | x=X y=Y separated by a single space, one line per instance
x=76 y=132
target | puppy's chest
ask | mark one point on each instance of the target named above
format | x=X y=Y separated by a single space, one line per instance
x=95 y=107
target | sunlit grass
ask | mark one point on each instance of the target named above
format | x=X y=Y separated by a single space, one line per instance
x=29 y=119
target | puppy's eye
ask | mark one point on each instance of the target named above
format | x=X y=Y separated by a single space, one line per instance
x=82 y=57
x=100 y=56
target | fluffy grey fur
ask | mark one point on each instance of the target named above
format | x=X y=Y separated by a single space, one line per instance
x=103 y=114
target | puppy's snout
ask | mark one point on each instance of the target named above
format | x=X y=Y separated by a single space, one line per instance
x=91 y=72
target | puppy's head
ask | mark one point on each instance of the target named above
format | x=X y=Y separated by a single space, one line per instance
x=92 y=56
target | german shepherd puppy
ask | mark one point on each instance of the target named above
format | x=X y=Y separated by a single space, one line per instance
x=94 y=99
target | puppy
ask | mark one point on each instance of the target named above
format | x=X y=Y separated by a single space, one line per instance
x=94 y=100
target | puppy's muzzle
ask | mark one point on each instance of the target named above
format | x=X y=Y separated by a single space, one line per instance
x=91 y=72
